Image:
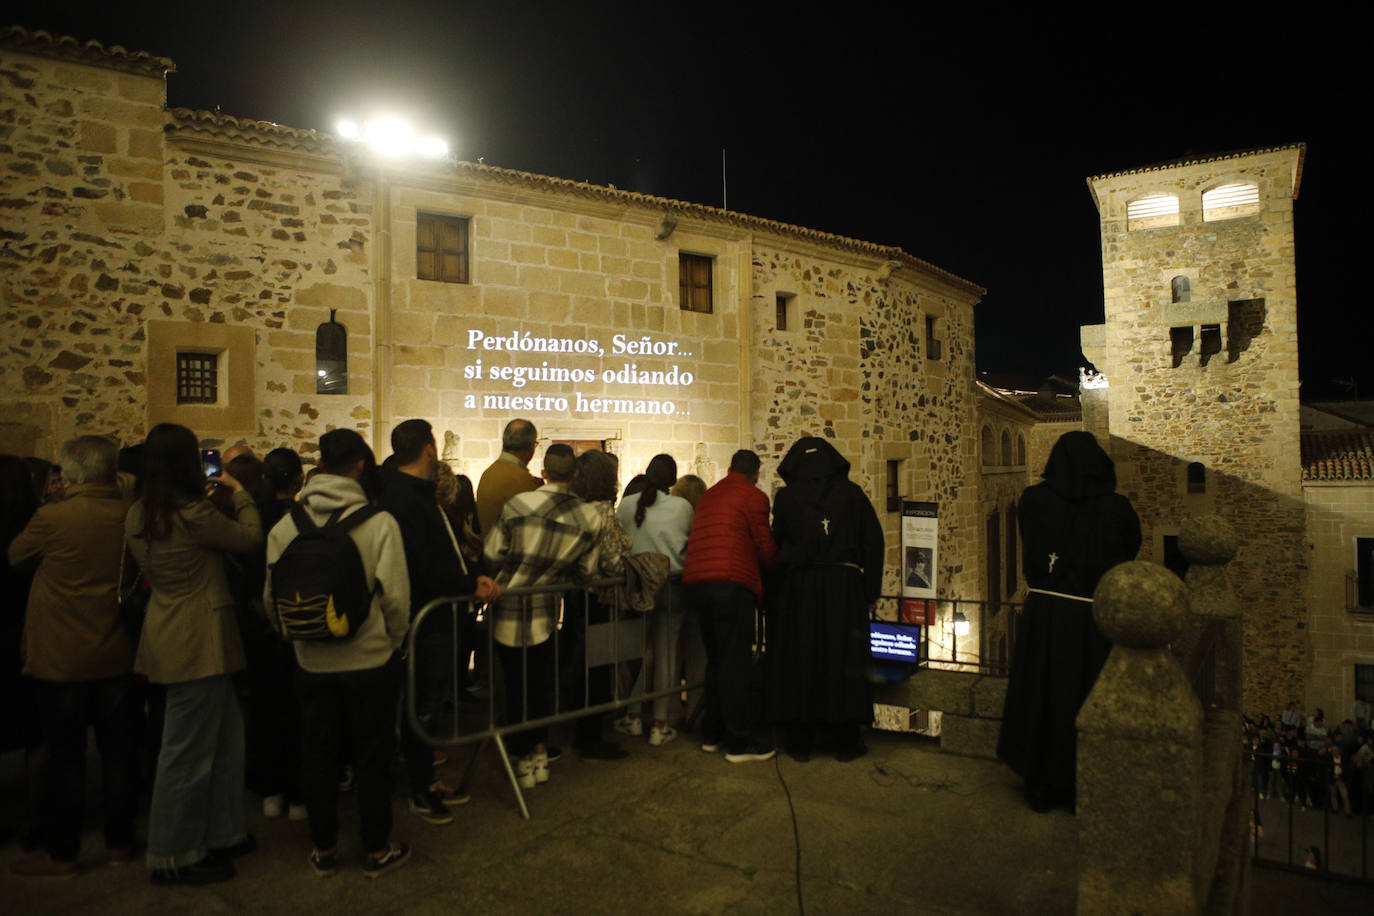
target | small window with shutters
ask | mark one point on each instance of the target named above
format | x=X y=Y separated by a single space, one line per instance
x=694 y=282
x=1151 y=212
x=441 y=248
x=1230 y=201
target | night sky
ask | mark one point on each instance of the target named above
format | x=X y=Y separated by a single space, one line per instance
x=962 y=138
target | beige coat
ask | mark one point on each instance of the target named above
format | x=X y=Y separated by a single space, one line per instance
x=72 y=630
x=190 y=631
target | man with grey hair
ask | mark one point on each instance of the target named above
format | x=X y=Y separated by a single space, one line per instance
x=508 y=474
x=79 y=655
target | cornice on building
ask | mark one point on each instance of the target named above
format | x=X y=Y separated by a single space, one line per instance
x=65 y=47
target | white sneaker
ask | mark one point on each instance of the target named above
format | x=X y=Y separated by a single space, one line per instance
x=659 y=736
x=273 y=806
x=630 y=725
x=297 y=813
x=524 y=772
x=541 y=767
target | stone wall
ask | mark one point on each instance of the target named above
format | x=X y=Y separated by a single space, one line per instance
x=1337 y=513
x=1233 y=405
x=133 y=233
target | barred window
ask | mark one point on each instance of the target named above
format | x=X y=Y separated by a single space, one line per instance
x=694 y=282
x=197 y=378
x=441 y=248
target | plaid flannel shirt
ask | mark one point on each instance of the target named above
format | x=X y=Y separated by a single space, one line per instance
x=544 y=536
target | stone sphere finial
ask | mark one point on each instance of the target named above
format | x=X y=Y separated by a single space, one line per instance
x=1208 y=540
x=1141 y=605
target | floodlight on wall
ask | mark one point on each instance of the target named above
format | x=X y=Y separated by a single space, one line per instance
x=391 y=138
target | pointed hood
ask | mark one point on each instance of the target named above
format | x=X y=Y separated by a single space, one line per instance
x=1078 y=468
x=812 y=458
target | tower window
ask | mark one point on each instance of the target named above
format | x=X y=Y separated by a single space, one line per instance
x=1151 y=212
x=933 y=349
x=1182 y=289
x=694 y=282
x=1197 y=477
x=894 y=488
x=197 y=378
x=1230 y=201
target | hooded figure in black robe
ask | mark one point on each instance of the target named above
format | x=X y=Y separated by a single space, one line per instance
x=830 y=555
x=1074 y=527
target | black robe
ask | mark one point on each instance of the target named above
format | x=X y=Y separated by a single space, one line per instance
x=830 y=554
x=1074 y=527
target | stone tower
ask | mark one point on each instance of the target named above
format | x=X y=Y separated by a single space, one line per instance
x=1199 y=353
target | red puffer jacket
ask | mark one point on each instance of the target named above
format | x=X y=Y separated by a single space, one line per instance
x=730 y=537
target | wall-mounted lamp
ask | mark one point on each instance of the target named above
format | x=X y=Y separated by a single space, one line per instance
x=960 y=624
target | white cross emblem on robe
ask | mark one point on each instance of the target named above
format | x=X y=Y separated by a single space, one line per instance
x=1053 y=558
x=825 y=524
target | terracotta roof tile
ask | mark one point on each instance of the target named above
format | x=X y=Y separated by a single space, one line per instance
x=1341 y=454
x=64 y=47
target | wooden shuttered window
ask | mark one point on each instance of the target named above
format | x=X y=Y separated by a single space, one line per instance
x=694 y=282
x=441 y=248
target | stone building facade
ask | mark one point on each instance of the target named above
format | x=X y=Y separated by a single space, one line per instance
x=146 y=252
x=1199 y=355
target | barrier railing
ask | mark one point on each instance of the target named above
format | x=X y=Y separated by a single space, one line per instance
x=986 y=647
x=596 y=637
x=1294 y=824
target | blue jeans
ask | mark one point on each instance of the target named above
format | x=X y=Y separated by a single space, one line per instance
x=198 y=792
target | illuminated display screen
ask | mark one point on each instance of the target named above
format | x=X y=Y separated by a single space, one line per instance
x=894 y=643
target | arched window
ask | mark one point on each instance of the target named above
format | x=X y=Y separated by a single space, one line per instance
x=1197 y=477
x=989 y=450
x=1182 y=289
x=1006 y=449
x=1020 y=449
x=1152 y=211
x=1229 y=201
x=331 y=357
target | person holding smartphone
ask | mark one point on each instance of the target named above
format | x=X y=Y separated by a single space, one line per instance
x=191 y=644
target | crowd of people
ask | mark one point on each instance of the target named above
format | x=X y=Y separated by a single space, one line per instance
x=1310 y=763
x=173 y=610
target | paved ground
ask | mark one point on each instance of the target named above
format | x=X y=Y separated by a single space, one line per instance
x=671 y=830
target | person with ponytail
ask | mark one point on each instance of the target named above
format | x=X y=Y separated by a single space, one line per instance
x=658 y=522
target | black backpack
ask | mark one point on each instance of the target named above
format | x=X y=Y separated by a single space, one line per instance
x=318 y=583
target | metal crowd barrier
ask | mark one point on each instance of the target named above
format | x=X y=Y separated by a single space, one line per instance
x=986 y=648
x=468 y=713
x=1294 y=825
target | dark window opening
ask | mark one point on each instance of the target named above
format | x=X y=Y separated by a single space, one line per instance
x=694 y=282
x=197 y=378
x=1006 y=449
x=1013 y=574
x=1174 y=560
x=933 y=349
x=894 y=490
x=441 y=248
x=1211 y=342
x=1020 y=449
x=331 y=357
x=994 y=570
x=1197 y=477
x=784 y=302
x=1364 y=575
x=1182 y=290
x=1180 y=343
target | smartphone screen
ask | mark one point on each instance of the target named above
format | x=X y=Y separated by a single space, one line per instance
x=209 y=460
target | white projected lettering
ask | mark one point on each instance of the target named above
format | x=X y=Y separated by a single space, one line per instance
x=543 y=368
x=893 y=644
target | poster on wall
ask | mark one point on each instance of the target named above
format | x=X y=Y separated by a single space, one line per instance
x=920 y=536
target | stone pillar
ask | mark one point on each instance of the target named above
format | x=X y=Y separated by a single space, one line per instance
x=1139 y=754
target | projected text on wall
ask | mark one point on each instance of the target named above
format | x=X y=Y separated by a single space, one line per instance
x=534 y=368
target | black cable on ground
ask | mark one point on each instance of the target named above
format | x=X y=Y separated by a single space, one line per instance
x=796 y=833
